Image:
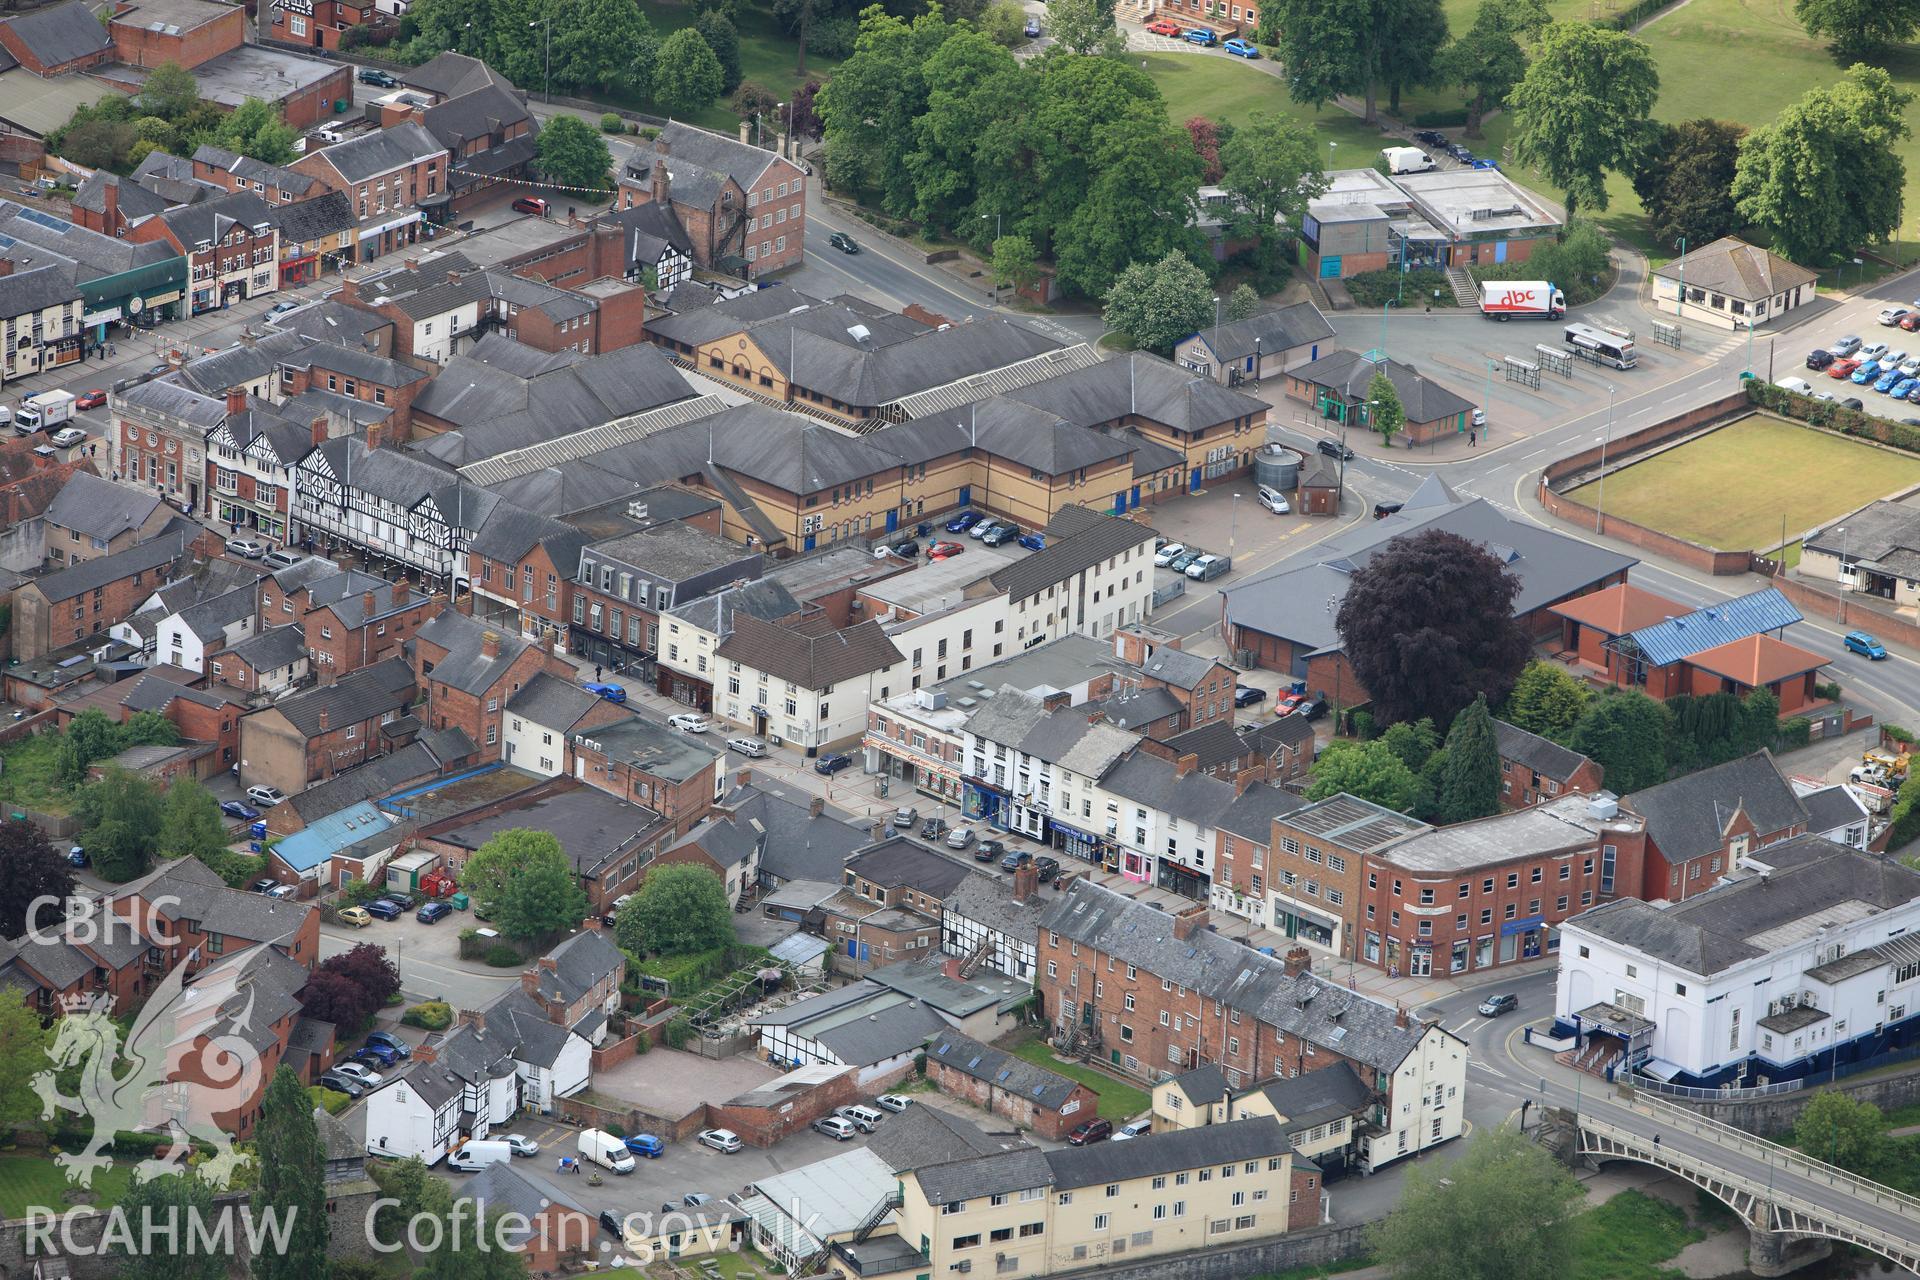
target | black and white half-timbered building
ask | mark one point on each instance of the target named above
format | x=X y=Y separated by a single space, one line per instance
x=399 y=511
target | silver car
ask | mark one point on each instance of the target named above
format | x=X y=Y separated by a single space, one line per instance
x=960 y=837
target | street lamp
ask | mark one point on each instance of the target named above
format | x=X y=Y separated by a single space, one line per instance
x=1680 y=305
x=996 y=240
x=1233 y=525
x=546 y=90
x=1330 y=147
x=1216 y=325
x=1600 y=494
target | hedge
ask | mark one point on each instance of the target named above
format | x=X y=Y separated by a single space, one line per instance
x=1834 y=416
x=1634 y=14
x=432 y=1015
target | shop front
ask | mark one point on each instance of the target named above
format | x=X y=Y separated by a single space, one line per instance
x=980 y=802
x=118 y=304
x=240 y=516
x=1088 y=848
x=1528 y=938
x=1296 y=920
x=299 y=269
x=1184 y=881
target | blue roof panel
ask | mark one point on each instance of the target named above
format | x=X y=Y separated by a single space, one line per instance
x=308 y=848
x=1749 y=615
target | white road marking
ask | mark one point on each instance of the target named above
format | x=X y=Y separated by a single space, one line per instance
x=1466 y=1026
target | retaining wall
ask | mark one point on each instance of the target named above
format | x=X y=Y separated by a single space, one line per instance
x=1236 y=1262
x=1773 y=1116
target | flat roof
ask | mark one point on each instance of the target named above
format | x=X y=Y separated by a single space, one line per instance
x=1559 y=825
x=172 y=15
x=939 y=584
x=40 y=106
x=238 y=74
x=1047 y=668
x=1470 y=202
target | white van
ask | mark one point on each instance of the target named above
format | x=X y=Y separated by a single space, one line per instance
x=600 y=1147
x=478 y=1154
x=1799 y=386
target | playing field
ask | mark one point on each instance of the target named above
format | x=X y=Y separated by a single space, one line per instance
x=1739 y=486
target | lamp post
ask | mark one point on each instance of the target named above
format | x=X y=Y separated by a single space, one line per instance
x=1680 y=305
x=1487 y=403
x=996 y=240
x=1216 y=325
x=1600 y=494
x=1330 y=147
x=1233 y=524
x=1840 y=578
x=546 y=88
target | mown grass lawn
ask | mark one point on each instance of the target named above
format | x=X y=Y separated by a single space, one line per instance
x=766 y=59
x=1781 y=472
x=1628 y=1237
x=1227 y=89
x=34 y=1184
x=1118 y=1101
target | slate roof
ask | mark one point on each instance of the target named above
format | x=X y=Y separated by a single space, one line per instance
x=1198 y=798
x=653 y=747
x=272 y=649
x=812 y=662
x=1218 y=968
x=1348 y=373
x=1831 y=809
x=1096 y=1164
x=314 y=218
x=497 y=398
x=1312 y=1098
x=987 y=901
x=1048 y=1090
x=579 y=963
x=743 y=163
x=901 y=861
x=654 y=224
x=764 y=599
x=551 y=702
x=800 y=845
x=1177 y=667
x=1737 y=269
x=1077 y=539
x=1250 y=816
x=62 y=34
x=466 y=666
x=1688 y=816
x=504 y=1189
x=1542 y=755
x=1815 y=882
x=592 y=826
x=232 y=366
x=1296 y=326
x=95 y=507
x=383 y=150
x=988 y=1175
x=448 y=74
x=361 y=695
x=88 y=575
x=32 y=291
x=860 y=1024
x=1062 y=736
x=209 y=220
x=209 y=619
x=197 y=893
x=330 y=321
x=920 y=1136
x=134 y=200
x=1143 y=386
x=1205 y=1085
x=369 y=781
x=98 y=255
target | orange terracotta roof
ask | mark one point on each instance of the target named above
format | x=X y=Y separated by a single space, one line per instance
x=1757 y=660
x=1618 y=610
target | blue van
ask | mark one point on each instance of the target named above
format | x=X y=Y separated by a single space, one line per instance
x=645 y=1144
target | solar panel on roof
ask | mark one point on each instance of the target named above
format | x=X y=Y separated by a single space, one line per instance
x=46 y=220
x=1192 y=952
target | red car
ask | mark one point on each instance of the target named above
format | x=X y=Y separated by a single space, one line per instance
x=1090 y=1132
x=1910 y=321
x=944 y=550
x=1164 y=27
x=1289 y=704
x=91 y=399
x=1842 y=368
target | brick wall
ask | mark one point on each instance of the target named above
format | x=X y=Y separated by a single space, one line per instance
x=1049 y=1122
x=134 y=42
x=764 y=1126
x=40 y=625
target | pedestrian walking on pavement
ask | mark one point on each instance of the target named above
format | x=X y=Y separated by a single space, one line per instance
x=1473 y=439
x=596 y=671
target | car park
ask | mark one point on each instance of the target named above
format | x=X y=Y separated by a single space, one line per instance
x=990 y=851
x=234 y=809
x=1034 y=541
x=266 y=797
x=1334 y=449
x=1892 y=315
x=1494 y=1006
x=246 y=548
x=960 y=837
x=1246 y=695
x=531 y=204
x=944 y=550
x=93 y=398
x=1846 y=346
x=895 y=1102
x=1862 y=643
x=67 y=437
x=963 y=522
x=611 y=692
x=381 y=909
x=832 y=763
x=602 y=1148
x=689 y=722
x=1090 y=1132
x=433 y=912
x=1163 y=27
x=725 y=1141
x=1819 y=359
x=1168 y=554
x=355 y=916
x=1241 y=48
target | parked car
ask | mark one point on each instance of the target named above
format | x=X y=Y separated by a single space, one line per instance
x=1853 y=402
x=399 y=898
x=1168 y=554
x=355 y=916
x=865 y=1119
x=944 y=550
x=1032 y=29
x=339 y=1083
x=1888 y=380
x=906 y=817
x=1846 y=346
x=895 y=1102
x=381 y=909
x=611 y=692
x=1313 y=708
x=647 y=1145
x=611 y=1224
x=67 y=437
x=1241 y=48
x=960 y=837
x=375 y=1055
x=359 y=1071
x=689 y=722
x=1910 y=321
x=246 y=548
x=832 y=763
x=433 y=912
x=1207 y=568
x=835 y=1127
x=725 y=1141
x=1163 y=27
x=266 y=797
x=933 y=829
x=522 y=1145
x=281 y=308
x=277 y=560
x=531 y=204
x=1275 y=501
x=1872 y=351
x=77 y=856
x=1494 y=1006
x=234 y=809
x=963 y=522
x=752 y=748
x=1903 y=389
x=1289 y=703
x=391 y=1041
x=1180 y=562
x=990 y=851
x=1892 y=315
x=1015 y=859
x=1247 y=695
x=981 y=528
x=1865 y=373
x=843 y=242
x=1862 y=643
x=93 y=398
x=1000 y=535
x=1200 y=35
x=1034 y=541
x=694 y=1199
x=1089 y=1132
x=1047 y=867
x=1819 y=359
x=375 y=76
x=1334 y=449
x=1842 y=367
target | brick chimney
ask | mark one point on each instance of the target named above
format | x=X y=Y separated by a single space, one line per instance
x=428 y=1052
x=746 y=132
x=1251 y=776
x=474 y=1018
x=236 y=400
x=547 y=964
x=876 y=831
x=374 y=431
x=490 y=644
x=1026 y=879
x=464 y=605
x=816 y=806
x=349 y=291
x=453 y=277
x=369 y=602
x=662 y=180
x=546 y=641
x=743 y=778
x=1056 y=701
x=324 y=718
x=413 y=264
x=6 y=266
x=1188 y=921
x=110 y=205
x=1186 y=764
x=1298 y=961
x=1400 y=1015
x=319 y=432
x=402 y=591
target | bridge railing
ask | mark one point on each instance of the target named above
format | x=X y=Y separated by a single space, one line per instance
x=1844 y=1226
x=1772 y=1153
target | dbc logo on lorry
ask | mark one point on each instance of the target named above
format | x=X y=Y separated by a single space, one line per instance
x=1516 y=298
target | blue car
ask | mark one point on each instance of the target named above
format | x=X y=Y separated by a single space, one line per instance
x=611 y=692
x=376 y=1055
x=645 y=1144
x=1241 y=48
x=1200 y=35
x=963 y=522
x=77 y=856
x=1034 y=541
x=1887 y=380
x=234 y=809
x=381 y=909
x=1904 y=388
x=433 y=911
x=388 y=1040
x=1866 y=373
x=1862 y=643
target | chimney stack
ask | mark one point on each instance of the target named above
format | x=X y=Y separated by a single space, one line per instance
x=374 y=431
x=490 y=644
x=746 y=132
x=110 y=205
x=662 y=180
x=546 y=641
x=319 y=432
x=1298 y=961
x=951 y=966
x=236 y=400
x=816 y=806
x=876 y=831
x=428 y=1052
x=6 y=266
x=402 y=590
x=1251 y=776
x=349 y=291
x=1186 y=764
x=1187 y=922
x=413 y=264
x=547 y=964
x=369 y=603
x=476 y=1019
x=1026 y=880
x=1400 y=1015
x=743 y=778
x=324 y=718
x=1056 y=701
x=464 y=605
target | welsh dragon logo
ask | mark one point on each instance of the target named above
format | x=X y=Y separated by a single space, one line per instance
x=186 y=1062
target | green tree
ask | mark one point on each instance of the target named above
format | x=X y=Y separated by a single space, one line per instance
x=1857 y=31
x=1242 y=302
x=1626 y=734
x=470 y=1248
x=190 y=823
x=541 y=900
x=505 y=855
x=570 y=153
x=597 y=44
x=687 y=78
x=1085 y=27
x=1385 y=413
x=1826 y=175
x=1414 y=741
x=1685 y=181
x=1546 y=700
x=677 y=909
x=1014 y=262
x=1004 y=23
x=721 y=37
x=1371 y=771
x=1582 y=108
x=24 y=1043
x=1270 y=168
x=99 y=144
x=943 y=166
x=169 y=1198
x=1410 y=42
x=254 y=128
x=292 y=1182
x=121 y=813
x=170 y=91
x=30 y=870
x=1145 y=180
x=1503 y=1209
x=148 y=729
x=1488 y=60
x=1470 y=785
x=1759 y=720
x=94 y=735
x=1156 y=304
x=1331 y=47
x=414 y=1191
x=1844 y=1131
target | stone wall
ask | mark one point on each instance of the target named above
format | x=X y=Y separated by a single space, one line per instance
x=1773 y=1116
x=1280 y=1253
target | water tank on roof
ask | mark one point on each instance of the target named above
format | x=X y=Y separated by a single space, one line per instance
x=1277 y=467
x=1603 y=807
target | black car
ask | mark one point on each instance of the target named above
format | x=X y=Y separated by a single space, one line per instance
x=1047 y=867
x=1459 y=153
x=1334 y=449
x=999 y=534
x=1381 y=510
x=374 y=76
x=905 y=548
x=933 y=829
x=989 y=851
x=1313 y=708
x=1819 y=358
x=1853 y=402
x=381 y=909
x=1015 y=860
x=1246 y=696
x=341 y=1084
x=832 y=763
x=611 y=1224
x=1430 y=138
x=843 y=242
x=1494 y=1006
x=399 y=898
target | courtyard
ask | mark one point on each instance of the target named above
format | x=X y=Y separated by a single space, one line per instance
x=1790 y=479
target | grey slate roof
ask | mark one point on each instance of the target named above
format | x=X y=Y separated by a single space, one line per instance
x=1261 y=1138
x=763 y=598
x=1142 y=386
x=95 y=507
x=240 y=363
x=800 y=845
x=33 y=291
x=1687 y=816
x=988 y=902
x=466 y=667
x=197 y=893
x=134 y=199
x=1542 y=755
x=1314 y=1097
x=1250 y=816
x=1063 y=736
x=383 y=150
x=550 y=702
x=1831 y=809
x=1296 y=326
x=1048 y=1090
x=311 y=219
x=142 y=557
x=1203 y=1086
x=1348 y=373
x=209 y=220
x=1218 y=968
x=369 y=781
x=989 y=1175
x=59 y=240
x=502 y=395
x=504 y=1189
x=272 y=649
x=653 y=747
x=1177 y=667
x=580 y=962
x=449 y=74
x=921 y=1136
x=592 y=826
x=1198 y=798
x=1077 y=539
x=61 y=34
x=805 y=659
x=361 y=695
x=900 y=861
x=1728 y=924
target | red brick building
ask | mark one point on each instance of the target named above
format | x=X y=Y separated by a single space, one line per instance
x=392 y=176
x=1202 y=686
x=84 y=600
x=311 y=736
x=231 y=245
x=1012 y=1088
x=348 y=630
x=235 y=172
x=467 y=671
x=317 y=24
x=743 y=209
x=522 y=571
x=675 y=774
x=147 y=33
x=51 y=42
x=1534 y=769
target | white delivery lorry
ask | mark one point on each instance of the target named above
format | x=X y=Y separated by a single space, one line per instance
x=1525 y=299
x=44 y=412
x=478 y=1154
x=602 y=1148
x=1406 y=159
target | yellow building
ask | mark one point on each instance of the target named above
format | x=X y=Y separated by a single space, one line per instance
x=1036 y=1213
x=1324 y=1113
